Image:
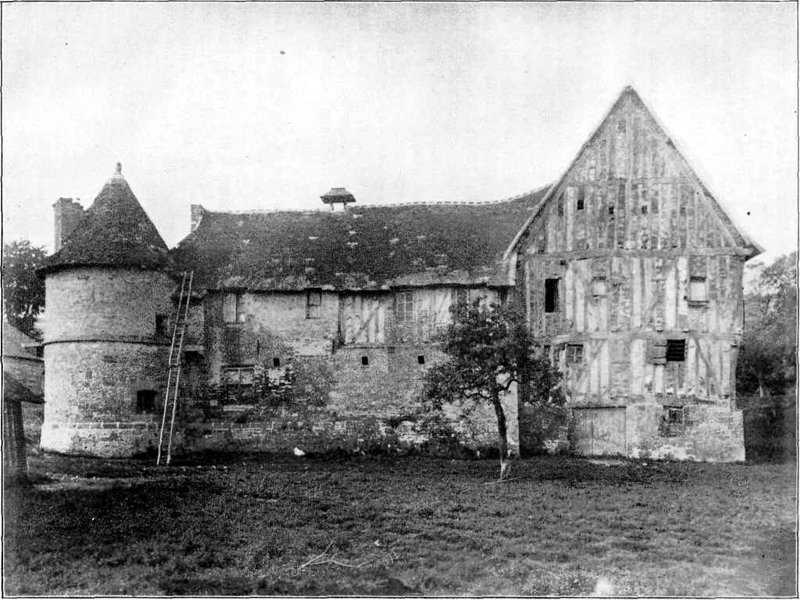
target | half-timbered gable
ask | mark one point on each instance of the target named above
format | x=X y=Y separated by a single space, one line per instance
x=631 y=273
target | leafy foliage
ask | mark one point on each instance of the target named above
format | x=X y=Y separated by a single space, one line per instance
x=767 y=357
x=23 y=290
x=489 y=348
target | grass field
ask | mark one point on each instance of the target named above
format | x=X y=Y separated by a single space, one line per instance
x=400 y=526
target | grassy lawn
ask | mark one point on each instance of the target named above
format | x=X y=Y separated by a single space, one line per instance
x=401 y=526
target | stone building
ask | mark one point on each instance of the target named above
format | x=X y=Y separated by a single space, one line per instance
x=108 y=301
x=315 y=328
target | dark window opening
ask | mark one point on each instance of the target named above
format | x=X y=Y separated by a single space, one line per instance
x=682 y=210
x=574 y=354
x=276 y=362
x=365 y=361
x=161 y=325
x=644 y=209
x=560 y=206
x=611 y=210
x=145 y=401
x=581 y=198
x=421 y=359
x=676 y=350
x=551 y=295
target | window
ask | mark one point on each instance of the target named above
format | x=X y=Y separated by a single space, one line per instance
x=462 y=296
x=551 y=295
x=698 y=289
x=676 y=350
x=560 y=206
x=673 y=421
x=145 y=401
x=611 y=210
x=574 y=354
x=581 y=198
x=161 y=325
x=404 y=308
x=276 y=362
x=237 y=385
x=421 y=359
x=599 y=287
x=644 y=209
x=365 y=361
x=313 y=303
x=233 y=308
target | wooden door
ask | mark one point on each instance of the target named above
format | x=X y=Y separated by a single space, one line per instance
x=599 y=431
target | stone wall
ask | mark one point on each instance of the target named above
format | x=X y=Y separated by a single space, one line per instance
x=105 y=304
x=709 y=433
x=339 y=402
x=101 y=349
x=706 y=432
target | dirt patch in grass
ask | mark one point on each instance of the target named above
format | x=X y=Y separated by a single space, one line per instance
x=408 y=526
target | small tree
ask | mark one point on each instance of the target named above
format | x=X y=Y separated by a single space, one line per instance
x=769 y=346
x=489 y=348
x=23 y=290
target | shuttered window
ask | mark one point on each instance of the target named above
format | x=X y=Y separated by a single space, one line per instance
x=657 y=351
x=313 y=304
x=404 y=307
x=698 y=289
x=233 y=308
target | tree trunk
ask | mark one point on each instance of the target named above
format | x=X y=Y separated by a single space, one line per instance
x=505 y=461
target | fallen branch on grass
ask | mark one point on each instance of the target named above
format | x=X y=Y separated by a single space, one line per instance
x=341 y=564
x=320 y=559
x=496 y=481
x=316 y=558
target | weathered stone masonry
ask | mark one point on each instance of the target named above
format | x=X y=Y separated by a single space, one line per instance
x=314 y=329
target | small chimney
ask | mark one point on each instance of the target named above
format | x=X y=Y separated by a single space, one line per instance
x=196 y=215
x=68 y=213
x=338 y=198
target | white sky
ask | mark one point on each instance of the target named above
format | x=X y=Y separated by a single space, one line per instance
x=261 y=106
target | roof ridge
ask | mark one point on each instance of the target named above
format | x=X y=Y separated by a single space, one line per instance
x=324 y=210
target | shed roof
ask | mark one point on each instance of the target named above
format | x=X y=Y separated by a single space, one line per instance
x=115 y=231
x=363 y=248
x=17 y=344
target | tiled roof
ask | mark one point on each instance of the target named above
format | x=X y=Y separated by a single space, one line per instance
x=17 y=344
x=364 y=247
x=15 y=391
x=115 y=231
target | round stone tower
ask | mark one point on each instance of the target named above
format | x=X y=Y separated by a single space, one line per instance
x=106 y=332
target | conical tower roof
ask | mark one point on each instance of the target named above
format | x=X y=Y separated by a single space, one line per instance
x=115 y=231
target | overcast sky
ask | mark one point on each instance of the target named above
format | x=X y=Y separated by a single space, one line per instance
x=262 y=106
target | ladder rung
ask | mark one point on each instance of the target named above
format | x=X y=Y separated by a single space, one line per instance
x=175 y=362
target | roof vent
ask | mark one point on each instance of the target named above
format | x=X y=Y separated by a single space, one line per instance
x=338 y=198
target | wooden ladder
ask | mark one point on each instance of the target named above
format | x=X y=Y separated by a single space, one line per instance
x=175 y=364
